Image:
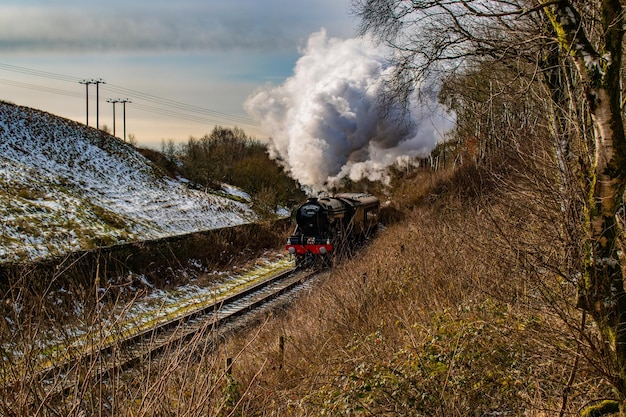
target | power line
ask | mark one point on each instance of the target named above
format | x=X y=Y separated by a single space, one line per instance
x=38 y=73
x=180 y=110
x=200 y=119
x=182 y=106
x=144 y=107
x=176 y=114
x=42 y=88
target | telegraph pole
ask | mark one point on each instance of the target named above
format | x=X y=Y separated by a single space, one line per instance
x=97 y=83
x=86 y=82
x=113 y=100
x=123 y=101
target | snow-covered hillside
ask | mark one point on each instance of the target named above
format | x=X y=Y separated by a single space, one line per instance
x=65 y=186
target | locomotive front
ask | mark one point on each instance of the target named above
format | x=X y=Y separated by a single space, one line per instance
x=315 y=219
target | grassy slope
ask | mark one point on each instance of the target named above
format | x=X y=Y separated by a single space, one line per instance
x=454 y=311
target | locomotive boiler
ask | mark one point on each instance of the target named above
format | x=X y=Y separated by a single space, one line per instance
x=328 y=226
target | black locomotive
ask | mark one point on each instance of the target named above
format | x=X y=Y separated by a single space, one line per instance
x=327 y=225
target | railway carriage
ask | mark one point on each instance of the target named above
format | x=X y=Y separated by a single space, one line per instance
x=327 y=226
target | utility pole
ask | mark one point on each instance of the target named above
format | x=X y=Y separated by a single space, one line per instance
x=123 y=101
x=86 y=82
x=97 y=83
x=113 y=100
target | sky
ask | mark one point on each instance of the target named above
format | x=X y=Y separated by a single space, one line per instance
x=184 y=66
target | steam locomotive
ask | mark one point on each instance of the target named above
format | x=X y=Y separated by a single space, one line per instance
x=329 y=226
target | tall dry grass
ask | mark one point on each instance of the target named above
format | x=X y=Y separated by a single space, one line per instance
x=463 y=305
x=463 y=308
x=34 y=336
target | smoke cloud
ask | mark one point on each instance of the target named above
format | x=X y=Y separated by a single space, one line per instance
x=326 y=123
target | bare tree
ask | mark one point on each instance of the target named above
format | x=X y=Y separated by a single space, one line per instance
x=574 y=48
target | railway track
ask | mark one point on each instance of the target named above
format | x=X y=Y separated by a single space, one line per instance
x=124 y=352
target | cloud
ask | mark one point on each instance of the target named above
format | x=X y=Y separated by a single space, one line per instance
x=326 y=123
x=142 y=25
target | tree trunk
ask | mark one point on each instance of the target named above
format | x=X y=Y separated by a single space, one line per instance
x=601 y=289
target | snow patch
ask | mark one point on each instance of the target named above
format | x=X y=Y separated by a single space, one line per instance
x=65 y=187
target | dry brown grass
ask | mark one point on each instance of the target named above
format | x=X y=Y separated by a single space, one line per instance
x=455 y=311
x=461 y=307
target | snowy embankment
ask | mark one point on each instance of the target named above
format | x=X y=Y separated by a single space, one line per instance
x=65 y=186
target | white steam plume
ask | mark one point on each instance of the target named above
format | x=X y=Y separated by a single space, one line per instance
x=325 y=122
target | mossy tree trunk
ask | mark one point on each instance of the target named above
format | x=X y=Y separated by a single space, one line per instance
x=601 y=288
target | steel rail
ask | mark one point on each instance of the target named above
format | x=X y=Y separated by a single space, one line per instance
x=126 y=352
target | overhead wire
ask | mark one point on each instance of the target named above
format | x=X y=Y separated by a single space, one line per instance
x=173 y=109
x=179 y=105
x=178 y=115
x=38 y=73
x=40 y=88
